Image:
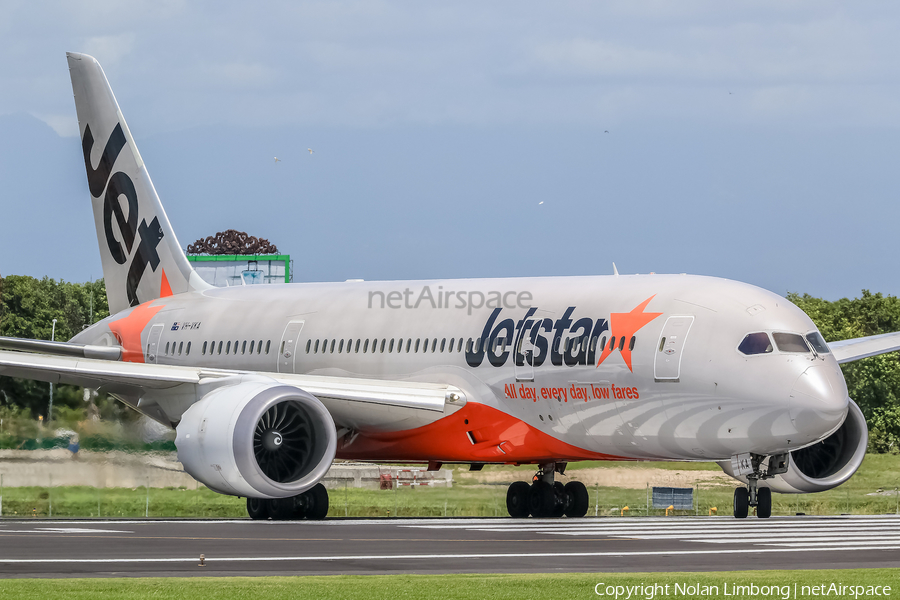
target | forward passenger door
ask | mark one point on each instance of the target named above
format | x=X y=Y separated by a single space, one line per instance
x=287 y=350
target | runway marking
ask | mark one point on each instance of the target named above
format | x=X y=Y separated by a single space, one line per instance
x=212 y=559
x=62 y=530
x=77 y=530
x=811 y=534
x=264 y=539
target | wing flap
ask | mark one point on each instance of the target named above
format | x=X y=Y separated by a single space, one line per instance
x=141 y=376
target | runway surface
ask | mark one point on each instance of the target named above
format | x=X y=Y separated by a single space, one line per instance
x=38 y=548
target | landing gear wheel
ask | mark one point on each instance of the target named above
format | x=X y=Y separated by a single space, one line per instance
x=541 y=499
x=741 y=503
x=257 y=509
x=763 y=503
x=517 y=500
x=560 y=499
x=578 y=500
x=315 y=506
x=281 y=509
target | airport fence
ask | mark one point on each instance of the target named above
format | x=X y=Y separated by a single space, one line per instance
x=461 y=500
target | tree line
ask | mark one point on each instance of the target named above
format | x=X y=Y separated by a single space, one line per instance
x=874 y=383
x=28 y=307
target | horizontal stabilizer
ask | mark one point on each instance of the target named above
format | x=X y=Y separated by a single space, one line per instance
x=61 y=348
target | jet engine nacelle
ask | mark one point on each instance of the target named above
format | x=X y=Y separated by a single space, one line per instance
x=257 y=439
x=824 y=465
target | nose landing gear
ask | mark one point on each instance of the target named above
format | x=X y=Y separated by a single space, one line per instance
x=546 y=497
x=753 y=495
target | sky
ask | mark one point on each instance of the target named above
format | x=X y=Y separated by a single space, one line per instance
x=750 y=140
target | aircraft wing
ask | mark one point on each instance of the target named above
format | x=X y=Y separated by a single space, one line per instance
x=353 y=402
x=849 y=350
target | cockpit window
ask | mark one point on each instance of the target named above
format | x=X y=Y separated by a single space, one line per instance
x=756 y=343
x=790 y=342
x=816 y=340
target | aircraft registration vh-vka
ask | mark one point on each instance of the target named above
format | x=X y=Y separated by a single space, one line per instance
x=266 y=385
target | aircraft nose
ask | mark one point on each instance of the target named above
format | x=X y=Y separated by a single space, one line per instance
x=819 y=401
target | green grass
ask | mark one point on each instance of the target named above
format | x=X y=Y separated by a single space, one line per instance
x=442 y=587
x=465 y=498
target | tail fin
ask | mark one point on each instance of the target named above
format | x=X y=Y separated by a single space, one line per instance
x=142 y=259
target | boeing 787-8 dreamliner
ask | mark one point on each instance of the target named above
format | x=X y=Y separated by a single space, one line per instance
x=266 y=385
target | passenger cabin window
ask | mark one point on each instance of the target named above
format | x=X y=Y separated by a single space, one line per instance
x=790 y=342
x=756 y=343
x=816 y=340
x=268 y=343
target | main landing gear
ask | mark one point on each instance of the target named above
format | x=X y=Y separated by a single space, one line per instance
x=753 y=495
x=311 y=504
x=546 y=497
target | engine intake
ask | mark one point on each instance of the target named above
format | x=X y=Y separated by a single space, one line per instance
x=257 y=439
x=824 y=465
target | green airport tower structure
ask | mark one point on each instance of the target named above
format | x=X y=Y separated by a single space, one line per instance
x=227 y=270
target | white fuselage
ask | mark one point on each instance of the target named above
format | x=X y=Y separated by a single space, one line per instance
x=535 y=351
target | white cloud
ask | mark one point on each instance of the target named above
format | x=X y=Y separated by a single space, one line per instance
x=65 y=125
x=110 y=50
x=355 y=62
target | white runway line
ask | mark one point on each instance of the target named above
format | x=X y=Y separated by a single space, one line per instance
x=637 y=524
x=675 y=530
x=860 y=532
x=213 y=559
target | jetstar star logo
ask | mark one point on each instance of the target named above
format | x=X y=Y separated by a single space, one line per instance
x=566 y=341
x=623 y=328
